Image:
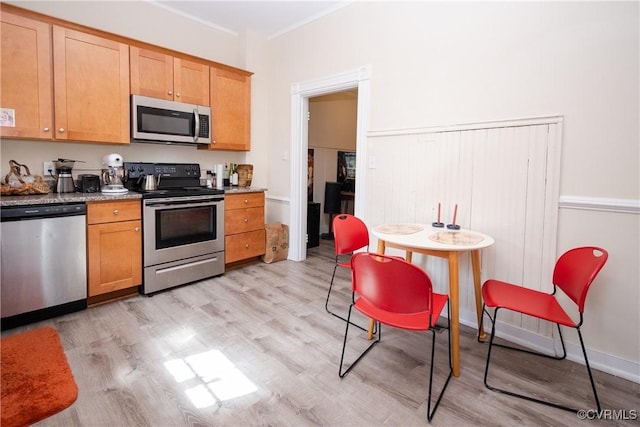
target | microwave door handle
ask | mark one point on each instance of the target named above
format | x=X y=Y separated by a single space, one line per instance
x=196 y=134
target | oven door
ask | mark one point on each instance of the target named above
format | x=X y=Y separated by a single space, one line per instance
x=182 y=227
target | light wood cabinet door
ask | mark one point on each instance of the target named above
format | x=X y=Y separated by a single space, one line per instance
x=91 y=87
x=162 y=76
x=25 y=85
x=191 y=82
x=230 y=110
x=115 y=256
x=151 y=73
x=114 y=246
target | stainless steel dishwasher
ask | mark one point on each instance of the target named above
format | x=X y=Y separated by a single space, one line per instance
x=43 y=259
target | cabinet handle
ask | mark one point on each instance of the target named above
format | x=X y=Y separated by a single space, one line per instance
x=136 y=229
x=177 y=94
x=246 y=246
x=246 y=220
x=61 y=130
x=246 y=201
x=45 y=130
x=170 y=92
x=116 y=211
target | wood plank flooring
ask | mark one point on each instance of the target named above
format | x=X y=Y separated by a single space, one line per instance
x=255 y=347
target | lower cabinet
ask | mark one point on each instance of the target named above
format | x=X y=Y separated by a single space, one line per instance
x=114 y=249
x=243 y=227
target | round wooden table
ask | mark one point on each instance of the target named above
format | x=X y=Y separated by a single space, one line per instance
x=443 y=243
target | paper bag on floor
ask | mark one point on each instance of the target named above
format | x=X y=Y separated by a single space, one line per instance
x=277 y=242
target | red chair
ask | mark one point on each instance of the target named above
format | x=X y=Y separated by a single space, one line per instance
x=350 y=234
x=394 y=292
x=574 y=272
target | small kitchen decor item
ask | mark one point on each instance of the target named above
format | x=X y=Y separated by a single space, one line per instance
x=438 y=223
x=245 y=175
x=453 y=225
x=233 y=175
x=19 y=184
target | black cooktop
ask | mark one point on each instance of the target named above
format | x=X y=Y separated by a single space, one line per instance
x=175 y=179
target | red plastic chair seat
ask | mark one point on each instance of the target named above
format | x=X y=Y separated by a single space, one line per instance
x=498 y=294
x=413 y=321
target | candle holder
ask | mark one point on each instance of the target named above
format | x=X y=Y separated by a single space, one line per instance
x=437 y=224
x=453 y=227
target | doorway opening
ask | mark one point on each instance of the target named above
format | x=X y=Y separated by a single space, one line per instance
x=300 y=94
x=332 y=161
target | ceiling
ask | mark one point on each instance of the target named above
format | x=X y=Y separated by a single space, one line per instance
x=268 y=18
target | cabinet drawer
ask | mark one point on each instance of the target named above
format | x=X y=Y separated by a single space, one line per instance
x=246 y=200
x=102 y=212
x=241 y=220
x=244 y=245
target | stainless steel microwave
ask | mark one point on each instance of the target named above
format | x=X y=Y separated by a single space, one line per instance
x=162 y=121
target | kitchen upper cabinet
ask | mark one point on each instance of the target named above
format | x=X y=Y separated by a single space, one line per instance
x=25 y=77
x=158 y=75
x=91 y=87
x=230 y=110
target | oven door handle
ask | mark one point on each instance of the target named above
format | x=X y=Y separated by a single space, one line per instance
x=184 y=203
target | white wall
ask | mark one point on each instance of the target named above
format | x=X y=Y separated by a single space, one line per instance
x=436 y=64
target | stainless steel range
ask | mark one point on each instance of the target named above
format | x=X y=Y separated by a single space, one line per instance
x=183 y=224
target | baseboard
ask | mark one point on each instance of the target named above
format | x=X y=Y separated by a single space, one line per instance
x=598 y=360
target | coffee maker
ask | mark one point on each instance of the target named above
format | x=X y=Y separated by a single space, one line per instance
x=64 y=178
x=113 y=174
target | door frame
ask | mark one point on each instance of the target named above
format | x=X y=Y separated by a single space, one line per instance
x=300 y=94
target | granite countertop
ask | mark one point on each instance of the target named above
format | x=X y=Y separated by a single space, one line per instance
x=51 y=198
x=237 y=190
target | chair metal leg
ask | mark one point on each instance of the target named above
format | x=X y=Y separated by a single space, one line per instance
x=326 y=304
x=586 y=361
x=344 y=345
x=431 y=413
x=524 y=350
x=530 y=398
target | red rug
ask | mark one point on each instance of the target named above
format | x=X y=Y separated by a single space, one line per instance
x=36 y=379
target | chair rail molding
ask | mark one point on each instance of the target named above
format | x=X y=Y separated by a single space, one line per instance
x=600 y=204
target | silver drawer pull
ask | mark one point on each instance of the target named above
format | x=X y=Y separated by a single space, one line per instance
x=116 y=211
x=246 y=201
x=136 y=229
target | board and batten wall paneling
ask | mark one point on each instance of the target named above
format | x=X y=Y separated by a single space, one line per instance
x=504 y=177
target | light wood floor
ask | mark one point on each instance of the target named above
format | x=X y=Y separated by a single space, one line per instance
x=263 y=329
